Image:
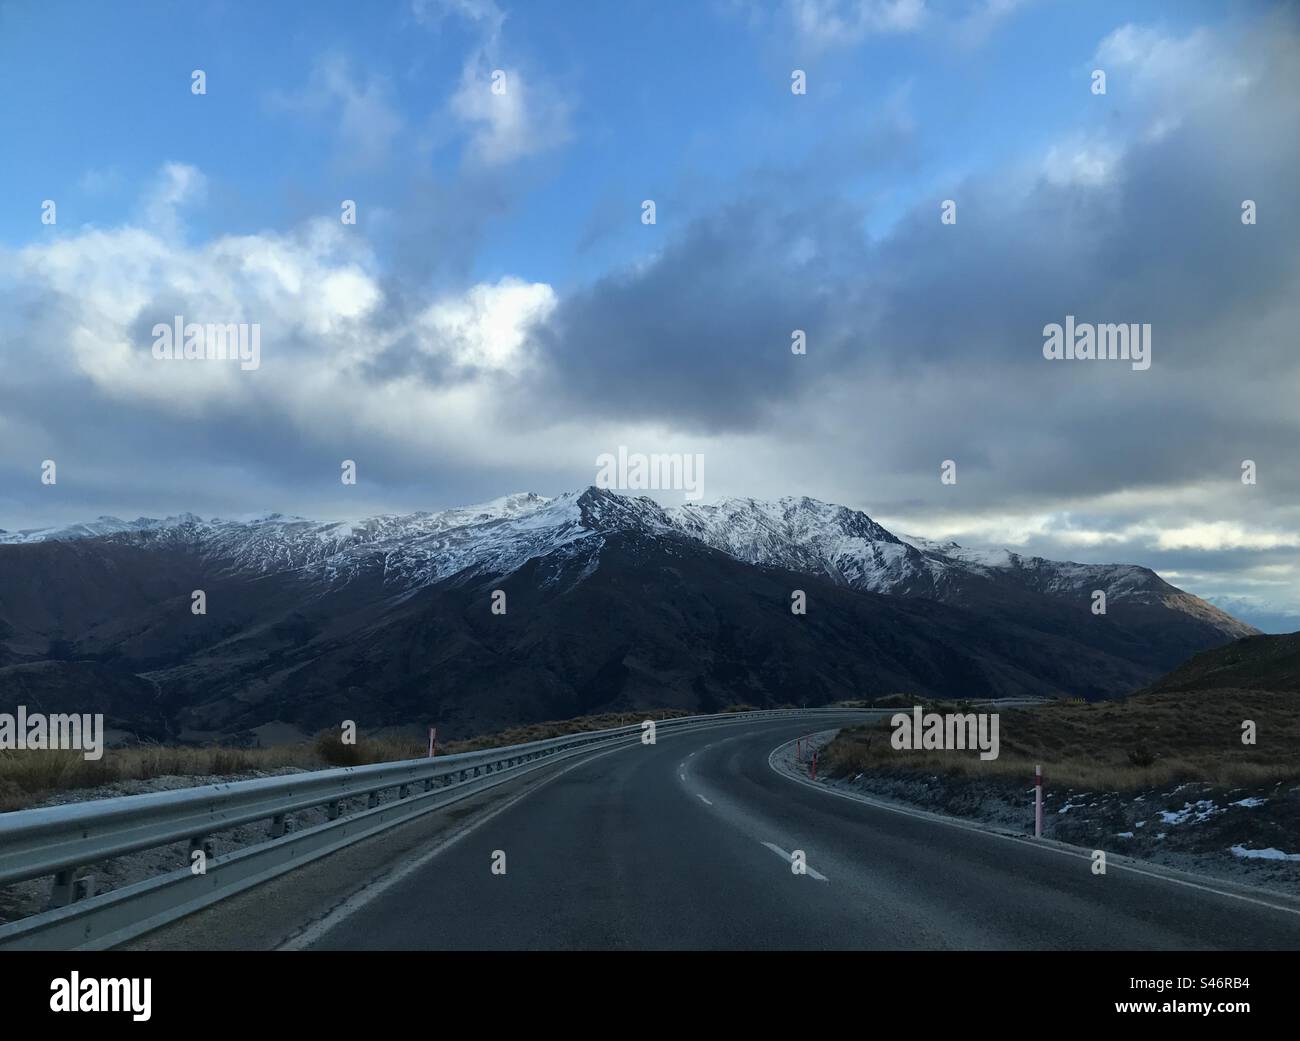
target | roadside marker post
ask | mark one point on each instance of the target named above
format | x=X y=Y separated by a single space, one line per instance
x=433 y=741
x=814 y=769
x=1038 y=802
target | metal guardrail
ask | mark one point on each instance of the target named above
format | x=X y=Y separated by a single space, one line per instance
x=59 y=840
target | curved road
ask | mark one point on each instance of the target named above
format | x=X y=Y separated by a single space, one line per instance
x=685 y=844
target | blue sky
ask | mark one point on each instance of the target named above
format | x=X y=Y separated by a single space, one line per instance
x=677 y=99
x=499 y=315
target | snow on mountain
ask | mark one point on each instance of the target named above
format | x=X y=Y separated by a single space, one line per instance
x=89 y=530
x=849 y=548
x=413 y=549
x=801 y=534
x=1048 y=576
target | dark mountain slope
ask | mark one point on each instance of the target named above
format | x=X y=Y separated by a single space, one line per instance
x=1252 y=663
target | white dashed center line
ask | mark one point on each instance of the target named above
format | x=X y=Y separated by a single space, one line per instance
x=789 y=859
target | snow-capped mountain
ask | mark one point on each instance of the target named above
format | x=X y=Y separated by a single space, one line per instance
x=413 y=549
x=613 y=602
x=803 y=535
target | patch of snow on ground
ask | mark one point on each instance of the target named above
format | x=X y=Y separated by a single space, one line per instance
x=1202 y=810
x=1263 y=854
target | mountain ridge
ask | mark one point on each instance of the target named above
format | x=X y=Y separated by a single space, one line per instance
x=615 y=603
x=885 y=562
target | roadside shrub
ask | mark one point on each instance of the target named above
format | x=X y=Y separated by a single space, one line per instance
x=331 y=749
x=1142 y=756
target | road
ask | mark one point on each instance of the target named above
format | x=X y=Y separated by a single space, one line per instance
x=685 y=844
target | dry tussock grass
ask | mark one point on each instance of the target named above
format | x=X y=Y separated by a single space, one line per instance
x=1149 y=740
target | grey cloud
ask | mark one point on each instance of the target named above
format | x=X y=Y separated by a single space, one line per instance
x=702 y=334
x=951 y=317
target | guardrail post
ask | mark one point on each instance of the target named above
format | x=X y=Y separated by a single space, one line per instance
x=373 y=801
x=404 y=792
x=333 y=810
x=279 y=825
x=204 y=843
x=68 y=888
x=428 y=784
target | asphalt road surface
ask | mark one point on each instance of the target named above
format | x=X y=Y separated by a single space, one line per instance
x=687 y=844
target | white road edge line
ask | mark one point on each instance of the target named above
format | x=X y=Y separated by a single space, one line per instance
x=789 y=859
x=935 y=818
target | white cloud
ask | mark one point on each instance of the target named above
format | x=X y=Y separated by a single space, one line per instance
x=1221 y=535
x=974 y=28
x=528 y=118
x=1149 y=54
x=488 y=326
x=109 y=288
x=823 y=24
x=485 y=14
x=1170 y=76
x=365 y=121
x=326 y=324
x=1081 y=163
x=101 y=181
x=178 y=185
